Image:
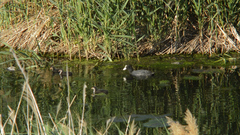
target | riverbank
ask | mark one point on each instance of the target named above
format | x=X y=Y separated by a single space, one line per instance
x=109 y=30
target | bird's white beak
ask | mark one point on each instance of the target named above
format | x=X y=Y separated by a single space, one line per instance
x=125 y=68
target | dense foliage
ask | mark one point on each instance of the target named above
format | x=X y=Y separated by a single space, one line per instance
x=106 y=29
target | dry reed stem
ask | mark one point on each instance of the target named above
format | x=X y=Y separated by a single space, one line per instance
x=129 y=118
x=30 y=126
x=59 y=106
x=13 y=115
x=98 y=132
x=138 y=132
x=70 y=120
x=1 y=126
x=66 y=130
x=29 y=96
x=35 y=34
x=177 y=129
x=208 y=44
x=7 y=121
x=108 y=126
x=54 y=124
x=190 y=46
x=132 y=129
x=234 y=33
x=192 y=127
x=83 y=109
x=62 y=120
x=81 y=123
x=226 y=37
x=145 y=48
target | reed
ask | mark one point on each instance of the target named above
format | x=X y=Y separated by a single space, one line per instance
x=131 y=128
x=28 y=95
x=177 y=129
x=107 y=30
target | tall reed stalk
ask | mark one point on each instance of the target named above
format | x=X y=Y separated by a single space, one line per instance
x=29 y=96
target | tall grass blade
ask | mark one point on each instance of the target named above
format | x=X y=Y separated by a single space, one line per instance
x=83 y=109
x=59 y=106
x=29 y=96
x=1 y=126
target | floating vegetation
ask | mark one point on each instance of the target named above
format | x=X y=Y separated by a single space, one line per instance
x=190 y=77
x=226 y=58
x=153 y=120
x=164 y=83
x=207 y=71
x=153 y=123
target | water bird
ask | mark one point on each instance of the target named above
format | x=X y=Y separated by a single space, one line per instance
x=97 y=91
x=62 y=73
x=138 y=73
x=54 y=70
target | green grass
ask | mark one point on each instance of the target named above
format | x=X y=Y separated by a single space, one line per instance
x=107 y=30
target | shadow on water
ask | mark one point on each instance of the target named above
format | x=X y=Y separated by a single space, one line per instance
x=211 y=93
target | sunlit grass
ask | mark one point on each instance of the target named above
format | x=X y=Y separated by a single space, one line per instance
x=107 y=30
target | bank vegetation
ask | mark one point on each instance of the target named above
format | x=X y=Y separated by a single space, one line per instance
x=108 y=30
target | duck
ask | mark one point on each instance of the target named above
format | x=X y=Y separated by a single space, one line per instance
x=62 y=73
x=138 y=73
x=54 y=70
x=98 y=91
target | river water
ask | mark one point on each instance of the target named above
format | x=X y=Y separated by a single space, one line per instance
x=210 y=92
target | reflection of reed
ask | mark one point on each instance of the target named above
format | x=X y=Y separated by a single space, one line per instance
x=176 y=85
x=83 y=109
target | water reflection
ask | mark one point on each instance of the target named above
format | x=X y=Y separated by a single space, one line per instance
x=211 y=94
